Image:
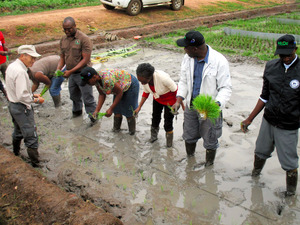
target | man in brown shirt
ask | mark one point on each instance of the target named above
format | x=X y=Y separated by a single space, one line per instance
x=76 y=49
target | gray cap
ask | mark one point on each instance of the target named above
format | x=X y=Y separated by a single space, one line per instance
x=28 y=49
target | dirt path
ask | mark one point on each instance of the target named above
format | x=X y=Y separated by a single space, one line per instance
x=46 y=26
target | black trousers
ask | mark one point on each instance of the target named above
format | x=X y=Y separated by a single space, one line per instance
x=156 y=116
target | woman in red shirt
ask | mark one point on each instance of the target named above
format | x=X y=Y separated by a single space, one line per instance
x=164 y=91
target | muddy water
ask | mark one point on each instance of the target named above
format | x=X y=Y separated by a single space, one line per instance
x=144 y=183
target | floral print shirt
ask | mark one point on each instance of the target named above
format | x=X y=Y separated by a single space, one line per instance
x=112 y=76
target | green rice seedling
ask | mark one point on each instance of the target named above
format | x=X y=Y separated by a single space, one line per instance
x=100 y=115
x=133 y=194
x=220 y=215
x=45 y=89
x=162 y=188
x=100 y=157
x=171 y=192
x=145 y=200
x=124 y=187
x=58 y=73
x=142 y=175
x=206 y=107
x=191 y=222
x=166 y=210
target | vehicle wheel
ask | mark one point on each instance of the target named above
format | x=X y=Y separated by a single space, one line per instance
x=176 y=4
x=134 y=7
x=109 y=7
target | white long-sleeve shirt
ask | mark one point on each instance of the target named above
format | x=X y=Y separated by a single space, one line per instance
x=18 y=84
x=216 y=80
x=162 y=83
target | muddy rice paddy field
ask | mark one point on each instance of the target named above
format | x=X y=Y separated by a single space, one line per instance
x=144 y=183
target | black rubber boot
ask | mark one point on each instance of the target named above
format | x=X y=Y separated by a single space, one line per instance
x=210 y=157
x=131 y=125
x=77 y=113
x=258 y=166
x=16 y=147
x=56 y=100
x=154 y=134
x=291 y=182
x=34 y=156
x=190 y=148
x=117 y=123
x=169 y=138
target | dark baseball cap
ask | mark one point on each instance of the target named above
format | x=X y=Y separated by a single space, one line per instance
x=191 y=38
x=285 y=45
x=86 y=74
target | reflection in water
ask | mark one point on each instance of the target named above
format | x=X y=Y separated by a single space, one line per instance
x=180 y=201
x=139 y=197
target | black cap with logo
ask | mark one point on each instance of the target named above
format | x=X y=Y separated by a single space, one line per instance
x=86 y=74
x=285 y=45
x=192 y=38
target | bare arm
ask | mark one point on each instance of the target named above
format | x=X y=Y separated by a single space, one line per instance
x=118 y=93
x=257 y=109
x=61 y=62
x=85 y=60
x=140 y=105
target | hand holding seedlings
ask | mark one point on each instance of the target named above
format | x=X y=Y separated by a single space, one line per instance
x=38 y=100
x=206 y=107
x=244 y=126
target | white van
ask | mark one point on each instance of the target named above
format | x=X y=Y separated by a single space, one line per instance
x=134 y=7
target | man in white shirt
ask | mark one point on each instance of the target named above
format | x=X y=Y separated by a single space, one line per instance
x=20 y=97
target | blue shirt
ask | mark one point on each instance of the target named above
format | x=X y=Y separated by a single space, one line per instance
x=198 y=70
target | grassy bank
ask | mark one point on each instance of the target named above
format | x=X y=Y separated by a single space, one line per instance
x=262 y=49
x=15 y=7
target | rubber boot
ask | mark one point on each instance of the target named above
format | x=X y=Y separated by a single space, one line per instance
x=16 y=147
x=258 y=166
x=154 y=133
x=56 y=100
x=190 y=148
x=210 y=157
x=169 y=138
x=77 y=113
x=117 y=123
x=291 y=182
x=131 y=125
x=34 y=156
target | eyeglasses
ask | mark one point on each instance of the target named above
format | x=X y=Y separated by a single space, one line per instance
x=68 y=29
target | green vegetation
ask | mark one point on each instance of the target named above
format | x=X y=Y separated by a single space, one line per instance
x=262 y=49
x=14 y=7
x=206 y=107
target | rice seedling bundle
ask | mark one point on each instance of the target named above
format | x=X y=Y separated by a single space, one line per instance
x=206 y=106
x=58 y=73
x=45 y=89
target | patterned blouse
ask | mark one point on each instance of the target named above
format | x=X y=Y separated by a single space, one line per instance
x=111 y=76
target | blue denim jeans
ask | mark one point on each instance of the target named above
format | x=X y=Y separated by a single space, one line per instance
x=56 y=85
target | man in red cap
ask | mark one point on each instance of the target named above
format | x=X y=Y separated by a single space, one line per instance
x=280 y=98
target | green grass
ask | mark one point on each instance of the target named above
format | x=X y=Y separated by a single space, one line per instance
x=236 y=44
x=15 y=7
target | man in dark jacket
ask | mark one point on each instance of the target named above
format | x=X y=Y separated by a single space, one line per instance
x=281 y=99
